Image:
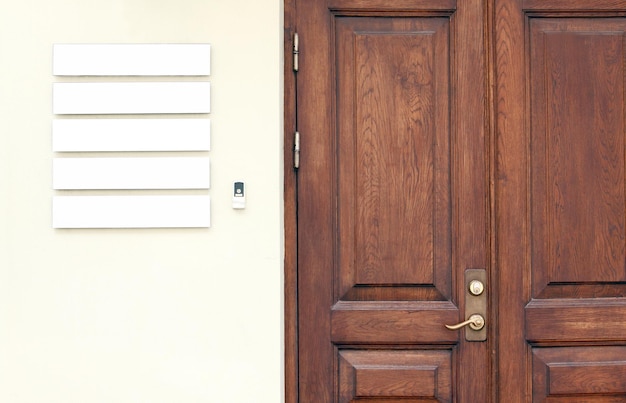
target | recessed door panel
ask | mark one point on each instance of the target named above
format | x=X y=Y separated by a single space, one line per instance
x=395 y=376
x=579 y=374
x=577 y=154
x=394 y=162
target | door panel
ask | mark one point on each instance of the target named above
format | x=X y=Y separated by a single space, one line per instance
x=393 y=152
x=577 y=157
x=564 y=377
x=393 y=375
x=394 y=159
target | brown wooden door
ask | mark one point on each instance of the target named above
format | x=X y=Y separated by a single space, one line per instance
x=560 y=69
x=445 y=137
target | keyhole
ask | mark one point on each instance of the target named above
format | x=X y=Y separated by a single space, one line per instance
x=476 y=287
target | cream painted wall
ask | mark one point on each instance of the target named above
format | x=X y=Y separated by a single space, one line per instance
x=163 y=315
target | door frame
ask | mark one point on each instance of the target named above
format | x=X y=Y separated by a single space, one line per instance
x=290 y=210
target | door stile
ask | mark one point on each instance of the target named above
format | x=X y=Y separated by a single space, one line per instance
x=510 y=193
x=290 y=212
x=490 y=146
x=314 y=209
x=471 y=169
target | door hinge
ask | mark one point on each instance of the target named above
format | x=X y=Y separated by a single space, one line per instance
x=296 y=150
x=296 y=51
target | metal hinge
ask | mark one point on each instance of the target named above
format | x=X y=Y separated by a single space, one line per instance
x=296 y=150
x=296 y=51
x=296 y=137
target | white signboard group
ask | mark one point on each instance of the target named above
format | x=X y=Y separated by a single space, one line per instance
x=112 y=115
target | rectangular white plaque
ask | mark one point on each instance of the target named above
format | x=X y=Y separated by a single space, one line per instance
x=72 y=135
x=131 y=60
x=131 y=212
x=131 y=98
x=131 y=173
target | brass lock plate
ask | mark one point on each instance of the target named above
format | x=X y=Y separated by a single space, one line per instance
x=476 y=301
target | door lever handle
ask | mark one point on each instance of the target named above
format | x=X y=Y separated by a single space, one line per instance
x=475 y=322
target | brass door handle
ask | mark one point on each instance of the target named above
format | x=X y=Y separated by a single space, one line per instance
x=475 y=322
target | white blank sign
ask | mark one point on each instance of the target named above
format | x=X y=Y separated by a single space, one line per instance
x=69 y=135
x=131 y=212
x=132 y=60
x=131 y=173
x=131 y=98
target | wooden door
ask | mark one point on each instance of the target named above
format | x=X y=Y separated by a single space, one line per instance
x=441 y=138
x=560 y=200
x=391 y=198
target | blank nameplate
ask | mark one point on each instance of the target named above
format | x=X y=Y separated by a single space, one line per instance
x=131 y=98
x=70 y=135
x=131 y=212
x=130 y=173
x=132 y=60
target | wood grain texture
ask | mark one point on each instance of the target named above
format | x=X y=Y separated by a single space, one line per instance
x=395 y=179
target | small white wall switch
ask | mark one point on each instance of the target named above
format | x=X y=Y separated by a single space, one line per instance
x=239 y=195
